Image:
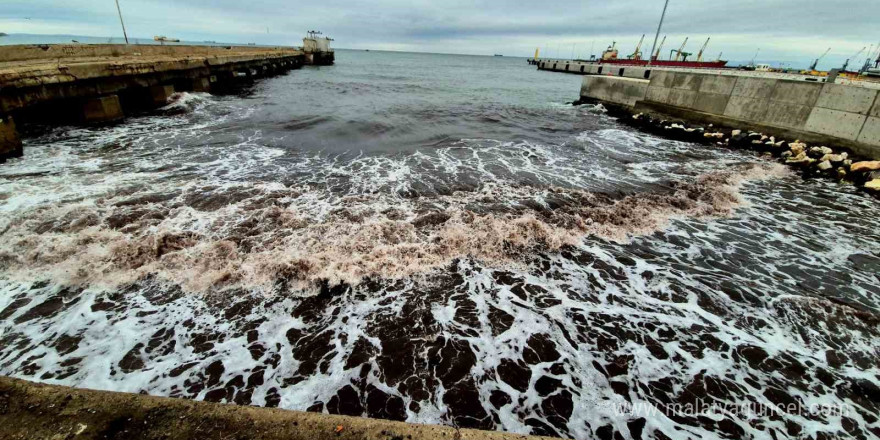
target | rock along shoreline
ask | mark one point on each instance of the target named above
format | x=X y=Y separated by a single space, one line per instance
x=812 y=161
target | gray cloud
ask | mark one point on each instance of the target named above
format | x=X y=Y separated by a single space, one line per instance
x=792 y=31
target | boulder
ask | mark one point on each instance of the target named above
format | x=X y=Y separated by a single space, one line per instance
x=873 y=185
x=847 y=163
x=797 y=147
x=834 y=158
x=841 y=173
x=872 y=165
x=786 y=154
x=818 y=152
x=736 y=132
x=824 y=165
x=800 y=159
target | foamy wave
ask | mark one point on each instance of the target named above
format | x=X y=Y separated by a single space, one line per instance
x=264 y=238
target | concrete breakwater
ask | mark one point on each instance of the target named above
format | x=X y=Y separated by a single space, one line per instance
x=30 y=411
x=847 y=116
x=101 y=83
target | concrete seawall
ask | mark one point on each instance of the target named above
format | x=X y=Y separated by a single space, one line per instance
x=30 y=411
x=101 y=83
x=824 y=113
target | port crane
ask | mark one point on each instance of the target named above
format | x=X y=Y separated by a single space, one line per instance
x=637 y=54
x=703 y=49
x=679 y=55
x=656 y=54
x=816 y=61
x=846 y=63
x=867 y=64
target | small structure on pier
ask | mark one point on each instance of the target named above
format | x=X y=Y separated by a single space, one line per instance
x=317 y=49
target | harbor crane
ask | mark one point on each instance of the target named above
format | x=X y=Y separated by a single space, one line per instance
x=846 y=63
x=867 y=64
x=637 y=54
x=816 y=61
x=656 y=54
x=703 y=49
x=678 y=53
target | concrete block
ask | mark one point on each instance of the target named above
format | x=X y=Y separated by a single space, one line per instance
x=787 y=115
x=713 y=103
x=682 y=98
x=846 y=98
x=797 y=92
x=875 y=111
x=10 y=142
x=158 y=95
x=615 y=90
x=658 y=94
x=631 y=91
x=746 y=109
x=635 y=72
x=836 y=123
x=720 y=84
x=202 y=85
x=687 y=81
x=754 y=88
x=662 y=78
x=871 y=132
x=103 y=109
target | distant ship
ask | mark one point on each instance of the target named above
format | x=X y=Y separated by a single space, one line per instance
x=677 y=58
x=497 y=55
x=164 y=39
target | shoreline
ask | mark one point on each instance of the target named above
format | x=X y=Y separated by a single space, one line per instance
x=810 y=161
x=30 y=410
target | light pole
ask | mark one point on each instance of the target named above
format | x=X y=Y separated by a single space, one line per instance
x=654 y=46
x=119 y=10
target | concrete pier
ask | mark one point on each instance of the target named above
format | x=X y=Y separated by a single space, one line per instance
x=821 y=113
x=30 y=411
x=101 y=82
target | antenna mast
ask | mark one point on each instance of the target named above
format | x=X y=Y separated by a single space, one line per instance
x=119 y=10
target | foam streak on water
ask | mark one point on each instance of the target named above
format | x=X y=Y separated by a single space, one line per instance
x=459 y=253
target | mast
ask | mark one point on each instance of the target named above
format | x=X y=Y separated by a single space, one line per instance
x=119 y=10
x=659 y=26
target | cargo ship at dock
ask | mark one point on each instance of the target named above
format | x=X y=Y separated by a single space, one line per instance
x=677 y=57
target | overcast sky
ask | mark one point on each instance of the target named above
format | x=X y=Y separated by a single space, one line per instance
x=793 y=31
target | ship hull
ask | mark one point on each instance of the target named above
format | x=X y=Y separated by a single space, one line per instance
x=667 y=63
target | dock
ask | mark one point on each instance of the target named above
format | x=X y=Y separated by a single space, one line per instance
x=92 y=84
x=824 y=111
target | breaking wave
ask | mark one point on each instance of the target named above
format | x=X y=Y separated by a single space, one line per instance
x=269 y=237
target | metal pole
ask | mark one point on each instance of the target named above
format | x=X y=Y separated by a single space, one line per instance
x=654 y=46
x=118 y=9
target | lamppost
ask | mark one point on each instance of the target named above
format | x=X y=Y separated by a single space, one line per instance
x=654 y=46
x=119 y=10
